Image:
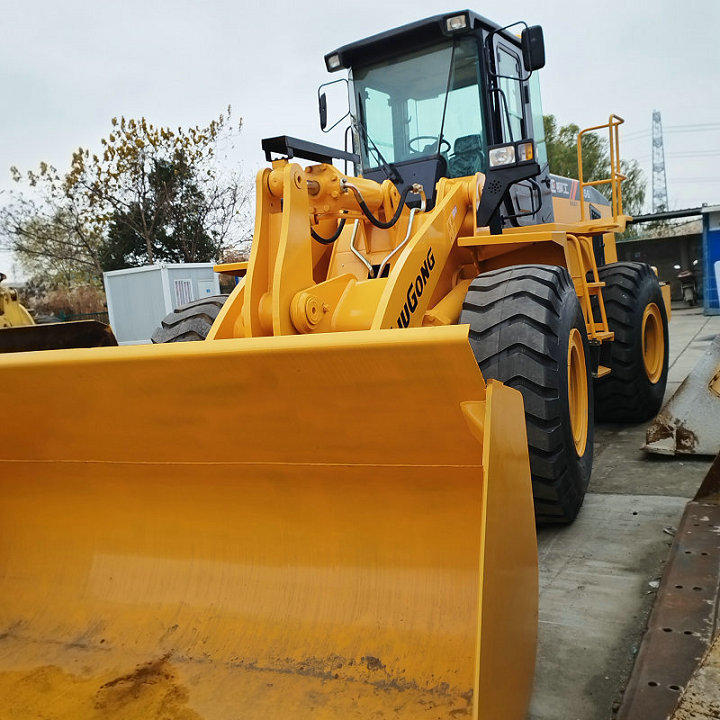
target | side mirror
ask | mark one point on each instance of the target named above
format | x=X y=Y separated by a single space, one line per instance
x=338 y=91
x=322 y=104
x=533 y=48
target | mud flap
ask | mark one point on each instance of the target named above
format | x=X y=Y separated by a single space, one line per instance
x=336 y=526
x=690 y=421
x=56 y=336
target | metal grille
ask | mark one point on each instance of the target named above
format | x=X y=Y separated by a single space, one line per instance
x=183 y=291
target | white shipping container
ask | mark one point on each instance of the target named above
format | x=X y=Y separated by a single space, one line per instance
x=139 y=298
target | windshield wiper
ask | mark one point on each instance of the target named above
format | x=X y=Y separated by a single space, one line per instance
x=388 y=168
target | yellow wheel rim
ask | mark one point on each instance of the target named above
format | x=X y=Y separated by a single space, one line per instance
x=653 y=342
x=577 y=391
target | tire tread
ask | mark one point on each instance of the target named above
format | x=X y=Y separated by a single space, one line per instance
x=626 y=394
x=190 y=322
x=515 y=316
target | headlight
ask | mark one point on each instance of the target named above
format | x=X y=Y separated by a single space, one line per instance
x=518 y=153
x=501 y=156
x=456 y=22
x=333 y=62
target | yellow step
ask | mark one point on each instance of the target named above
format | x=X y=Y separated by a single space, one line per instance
x=602 y=371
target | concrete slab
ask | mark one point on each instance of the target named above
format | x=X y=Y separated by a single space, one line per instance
x=594 y=600
x=595 y=591
x=684 y=617
x=620 y=466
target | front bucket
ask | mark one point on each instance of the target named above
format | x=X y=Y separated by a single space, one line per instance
x=56 y=336
x=689 y=424
x=336 y=526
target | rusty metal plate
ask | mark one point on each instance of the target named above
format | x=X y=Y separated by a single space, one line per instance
x=684 y=619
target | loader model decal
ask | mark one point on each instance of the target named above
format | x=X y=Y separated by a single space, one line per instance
x=415 y=290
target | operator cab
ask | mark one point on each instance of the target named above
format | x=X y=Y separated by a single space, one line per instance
x=451 y=96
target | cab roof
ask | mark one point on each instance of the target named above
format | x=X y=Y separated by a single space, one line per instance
x=408 y=37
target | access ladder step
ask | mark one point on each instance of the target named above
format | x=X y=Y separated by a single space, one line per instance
x=600 y=335
x=602 y=371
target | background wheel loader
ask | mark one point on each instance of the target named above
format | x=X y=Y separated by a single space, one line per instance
x=355 y=537
x=19 y=333
x=12 y=313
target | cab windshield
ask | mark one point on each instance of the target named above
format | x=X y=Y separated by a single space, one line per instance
x=422 y=105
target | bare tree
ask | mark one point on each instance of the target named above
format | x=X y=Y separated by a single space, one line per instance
x=151 y=194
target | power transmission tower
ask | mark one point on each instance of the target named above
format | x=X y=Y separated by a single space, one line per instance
x=659 y=182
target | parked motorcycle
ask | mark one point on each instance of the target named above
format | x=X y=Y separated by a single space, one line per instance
x=688 y=286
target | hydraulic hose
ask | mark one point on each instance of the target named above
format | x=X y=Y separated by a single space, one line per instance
x=330 y=240
x=368 y=213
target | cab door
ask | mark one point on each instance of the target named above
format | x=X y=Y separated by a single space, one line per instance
x=517 y=114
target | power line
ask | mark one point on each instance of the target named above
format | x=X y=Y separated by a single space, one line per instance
x=694 y=153
x=688 y=154
x=696 y=127
x=693 y=130
x=697 y=180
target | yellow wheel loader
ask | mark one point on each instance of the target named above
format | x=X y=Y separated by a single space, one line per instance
x=19 y=333
x=12 y=313
x=325 y=508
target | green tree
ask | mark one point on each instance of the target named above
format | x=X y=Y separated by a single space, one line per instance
x=180 y=231
x=562 y=157
x=163 y=189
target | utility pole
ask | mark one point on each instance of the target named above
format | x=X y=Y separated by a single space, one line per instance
x=659 y=182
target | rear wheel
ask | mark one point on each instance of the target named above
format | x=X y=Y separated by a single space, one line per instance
x=528 y=331
x=634 y=390
x=189 y=322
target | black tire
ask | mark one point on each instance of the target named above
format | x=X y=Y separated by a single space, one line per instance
x=629 y=393
x=521 y=319
x=189 y=322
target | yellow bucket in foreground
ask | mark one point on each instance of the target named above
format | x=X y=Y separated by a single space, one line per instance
x=336 y=526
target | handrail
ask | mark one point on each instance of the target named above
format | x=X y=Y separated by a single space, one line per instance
x=616 y=177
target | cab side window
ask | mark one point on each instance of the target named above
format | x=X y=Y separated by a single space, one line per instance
x=537 y=119
x=510 y=99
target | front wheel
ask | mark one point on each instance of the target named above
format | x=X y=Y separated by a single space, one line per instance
x=528 y=331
